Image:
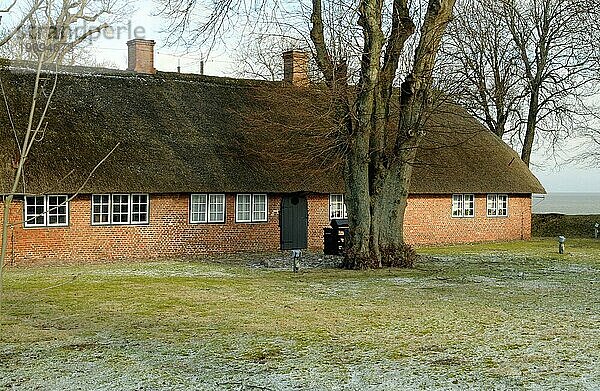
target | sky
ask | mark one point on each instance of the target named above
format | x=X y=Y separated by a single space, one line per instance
x=112 y=51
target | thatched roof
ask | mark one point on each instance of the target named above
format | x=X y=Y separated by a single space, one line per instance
x=190 y=133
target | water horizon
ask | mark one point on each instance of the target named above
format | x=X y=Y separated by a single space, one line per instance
x=568 y=203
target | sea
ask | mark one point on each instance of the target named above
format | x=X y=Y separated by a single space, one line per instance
x=566 y=203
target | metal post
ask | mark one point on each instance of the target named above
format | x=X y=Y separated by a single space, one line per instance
x=596 y=229
x=296 y=255
x=561 y=244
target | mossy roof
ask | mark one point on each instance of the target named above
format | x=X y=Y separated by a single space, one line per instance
x=180 y=133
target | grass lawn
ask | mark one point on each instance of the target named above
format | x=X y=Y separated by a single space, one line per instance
x=493 y=316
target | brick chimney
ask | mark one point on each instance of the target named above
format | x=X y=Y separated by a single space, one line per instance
x=140 y=56
x=295 y=67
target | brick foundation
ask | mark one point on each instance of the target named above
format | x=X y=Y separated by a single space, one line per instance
x=169 y=233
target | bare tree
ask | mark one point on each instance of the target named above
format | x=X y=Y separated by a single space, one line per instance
x=26 y=12
x=261 y=58
x=593 y=153
x=378 y=147
x=42 y=15
x=528 y=65
x=70 y=25
x=481 y=62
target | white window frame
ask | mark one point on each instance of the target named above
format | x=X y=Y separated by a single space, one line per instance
x=195 y=215
x=503 y=208
x=493 y=207
x=139 y=212
x=101 y=213
x=221 y=204
x=469 y=209
x=238 y=211
x=111 y=212
x=46 y=211
x=343 y=205
x=53 y=210
x=459 y=205
x=209 y=200
x=120 y=212
x=253 y=211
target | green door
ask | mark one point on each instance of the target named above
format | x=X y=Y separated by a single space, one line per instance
x=294 y=223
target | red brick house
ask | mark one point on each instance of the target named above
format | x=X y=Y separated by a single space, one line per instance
x=196 y=170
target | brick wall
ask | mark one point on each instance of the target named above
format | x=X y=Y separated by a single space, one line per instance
x=318 y=218
x=169 y=234
x=428 y=220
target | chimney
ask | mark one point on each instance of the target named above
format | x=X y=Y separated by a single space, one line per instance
x=295 y=67
x=140 y=56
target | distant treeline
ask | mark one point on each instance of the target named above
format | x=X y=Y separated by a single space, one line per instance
x=552 y=224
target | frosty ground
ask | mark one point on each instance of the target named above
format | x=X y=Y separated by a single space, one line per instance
x=496 y=316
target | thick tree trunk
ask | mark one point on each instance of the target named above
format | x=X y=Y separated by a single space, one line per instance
x=377 y=153
x=387 y=208
x=356 y=176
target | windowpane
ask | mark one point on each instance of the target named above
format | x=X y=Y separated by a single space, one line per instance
x=492 y=205
x=198 y=204
x=100 y=209
x=243 y=207
x=35 y=211
x=42 y=211
x=57 y=210
x=139 y=208
x=457 y=205
x=216 y=208
x=502 y=205
x=337 y=209
x=120 y=208
x=259 y=207
x=469 y=205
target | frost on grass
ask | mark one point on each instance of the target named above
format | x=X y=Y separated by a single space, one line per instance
x=455 y=322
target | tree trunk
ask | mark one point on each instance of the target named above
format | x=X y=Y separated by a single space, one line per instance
x=377 y=153
x=357 y=203
x=531 y=124
x=388 y=207
x=5 y=223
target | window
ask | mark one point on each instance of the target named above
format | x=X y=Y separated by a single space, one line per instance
x=497 y=205
x=207 y=208
x=47 y=211
x=57 y=210
x=139 y=208
x=198 y=208
x=259 y=207
x=463 y=205
x=251 y=208
x=118 y=209
x=337 y=207
x=216 y=208
x=100 y=209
